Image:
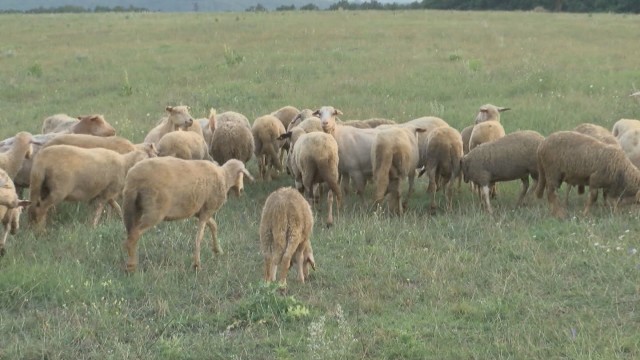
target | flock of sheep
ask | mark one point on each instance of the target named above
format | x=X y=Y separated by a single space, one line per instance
x=81 y=159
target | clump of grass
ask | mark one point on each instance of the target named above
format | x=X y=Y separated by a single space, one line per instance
x=474 y=65
x=455 y=57
x=326 y=342
x=231 y=57
x=126 y=89
x=35 y=70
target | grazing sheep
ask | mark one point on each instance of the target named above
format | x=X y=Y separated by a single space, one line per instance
x=485 y=132
x=354 y=148
x=187 y=145
x=10 y=209
x=232 y=140
x=314 y=160
x=578 y=159
x=395 y=156
x=489 y=112
x=89 y=124
x=623 y=125
x=286 y=115
x=21 y=149
x=115 y=143
x=84 y=175
x=179 y=117
x=286 y=224
x=266 y=132
x=151 y=196
x=509 y=158
x=444 y=153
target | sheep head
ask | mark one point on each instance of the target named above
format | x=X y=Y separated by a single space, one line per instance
x=179 y=116
x=235 y=173
x=489 y=112
x=93 y=125
x=327 y=115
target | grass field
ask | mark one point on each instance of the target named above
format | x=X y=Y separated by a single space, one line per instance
x=519 y=285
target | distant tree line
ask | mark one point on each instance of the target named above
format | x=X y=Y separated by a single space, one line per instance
x=77 y=9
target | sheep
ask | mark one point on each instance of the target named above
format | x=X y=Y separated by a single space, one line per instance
x=444 y=153
x=10 y=209
x=509 y=158
x=428 y=123
x=188 y=145
x=21 y=180
x=115 y=143
x=208 y=125
x=21 y=149
x=623 y=125
x=368 y=123
x=395 y=156
x=179 y=117
x=286 y=114
x=630 y=144
x=151 y=196
x=314 y=160
x=85 y=175
x=466 y=137
x=302 y=115
x=598 y=132
x=489 y=112
x=578 y=159
x=354 y=148
x=286 y=224
x=89 y=124
x=232 y=140
x=266 y=132
x=232 y=116
x=484 y=132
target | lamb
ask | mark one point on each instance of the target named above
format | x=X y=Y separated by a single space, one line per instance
x=395 y=156
x=10 y=209
x=232 y=140
x=266 y=132
x=623 y=125
x=286 y=225
x=509 y=158
x=179 y=117
x=85 y=175
x=354 y=148
x=150 y=197
x=286 y=115
x=115 y=143
x=187 y=145
x=444 y=153
x=314 y=160
x=89 y=124
x=578 y=159
x=21 y=149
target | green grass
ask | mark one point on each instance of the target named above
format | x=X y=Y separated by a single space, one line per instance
x=520 y=284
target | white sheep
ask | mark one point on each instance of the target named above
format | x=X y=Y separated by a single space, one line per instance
x=511 y=157
x=485 y=132
x=578 y=159
x=266 y=132
x=89 y=124
x=314 y=160
x=10 y=209
x=232 y=116
x=188 y=145
x=179 y=117
x=444 y=153
x=395 y=156
x=354 y=148
x=232 y=139
x=286 y=225
x=151 y=196
x=623 y=125
x=21 y=180
x=20 y=149
x=85 y=175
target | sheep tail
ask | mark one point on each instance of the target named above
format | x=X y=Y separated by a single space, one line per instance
x=542 y=178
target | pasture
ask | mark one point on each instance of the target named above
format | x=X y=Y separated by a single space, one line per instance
x=519 y=284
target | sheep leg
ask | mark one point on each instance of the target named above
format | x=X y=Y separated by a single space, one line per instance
x=523 y=191
x=299 y=256
x=566 y=199
x=196 y=253
x=486 y=194
x=593 y=196
x=215 y=246
x=114 y=205
x=556 y=209
x=285 y=263
x=131 y=245
x=395 y=205
x=344 y=183
x=269 y=269
x=5 y=235
x=448 y=193
x=98 y=213
x=334 y=191
x=329 y=208
x=432 y=188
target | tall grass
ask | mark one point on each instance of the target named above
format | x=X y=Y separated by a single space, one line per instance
x=453 y=285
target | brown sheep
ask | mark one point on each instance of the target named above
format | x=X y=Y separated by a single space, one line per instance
x=115 y=143
x=21 y=149
x=187 y=145
x=509 y=158
x=232 y=140
x=286 y=225
x=266 y=132
x=578 y=159
x=444 y=153
x=489 y=112
x=151 y=196
x=485 y=132
x=286 y=114
x=179 y=117
x=84 y=175
x=89 y=124
x=10 y=209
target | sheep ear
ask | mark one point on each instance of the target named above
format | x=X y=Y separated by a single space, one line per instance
x=316 y=113
x=24 y=203
x=247 y=174
x=501 y=109
x=169 y=109
x=421 y=130
x=37 y=142
x=337 y=112
x=286 y=135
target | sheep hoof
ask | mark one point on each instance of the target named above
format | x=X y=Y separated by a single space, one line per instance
x=130 y=268
x=196 y=266
x=329 y=225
